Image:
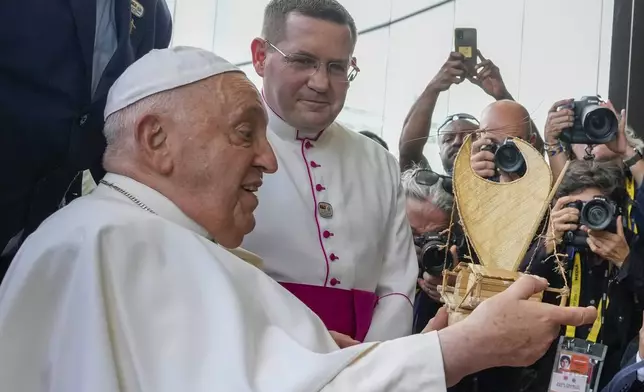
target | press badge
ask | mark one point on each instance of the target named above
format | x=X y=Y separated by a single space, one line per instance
x=578 y=366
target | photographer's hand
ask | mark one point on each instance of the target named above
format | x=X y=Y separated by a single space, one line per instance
x=620 y=145
x=429 y=284
x=562 y=219
x=482 y=162
x=609 y=246
x=488 y=78
x=558 y=120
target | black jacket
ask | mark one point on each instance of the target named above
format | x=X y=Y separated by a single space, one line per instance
x=50 y=125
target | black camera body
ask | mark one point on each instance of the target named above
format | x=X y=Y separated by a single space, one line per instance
x=507 y=156
x=435 y=252
x=593 y=123
x=599 y=214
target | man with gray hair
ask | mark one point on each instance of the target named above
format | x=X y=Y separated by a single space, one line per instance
x=132 y=289
x=428 y=205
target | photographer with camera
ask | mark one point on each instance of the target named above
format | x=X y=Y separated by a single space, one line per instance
x=429 y=205
x=456 y=127
x=429 y=202
x=602 y=258
x=494 y=154
x=590 y=129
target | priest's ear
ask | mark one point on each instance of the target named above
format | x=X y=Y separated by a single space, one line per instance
x=259 y=48
x=152 y=142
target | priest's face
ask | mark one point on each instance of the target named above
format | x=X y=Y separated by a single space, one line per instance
x=306 y=97
x=222 y=156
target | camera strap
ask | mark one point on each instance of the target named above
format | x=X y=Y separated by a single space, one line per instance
x=630 y=190
x=575 y=295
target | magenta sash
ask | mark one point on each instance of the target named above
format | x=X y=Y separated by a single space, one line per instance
x=344 y=311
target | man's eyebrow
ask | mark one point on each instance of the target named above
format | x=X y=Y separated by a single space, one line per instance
x=311 y=55
x=250 y=109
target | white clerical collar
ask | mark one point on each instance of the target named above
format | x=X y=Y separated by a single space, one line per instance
x=163 y=207
x=285 y=131
x=154 y=200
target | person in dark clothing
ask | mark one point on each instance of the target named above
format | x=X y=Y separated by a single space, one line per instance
x=59 y=60
x=626 y=150
x=609 y=264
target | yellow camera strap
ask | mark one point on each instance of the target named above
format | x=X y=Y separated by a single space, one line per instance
x=630 y=190
x=575 y=293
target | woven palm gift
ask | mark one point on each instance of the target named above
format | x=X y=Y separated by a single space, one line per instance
x=500 y=220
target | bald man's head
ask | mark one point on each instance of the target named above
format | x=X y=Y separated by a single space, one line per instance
x=506 y=118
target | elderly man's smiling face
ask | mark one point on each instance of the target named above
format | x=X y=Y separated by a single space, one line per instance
x=220 y=153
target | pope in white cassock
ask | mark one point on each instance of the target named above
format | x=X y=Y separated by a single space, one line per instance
x=126 y=290
x=332 y=227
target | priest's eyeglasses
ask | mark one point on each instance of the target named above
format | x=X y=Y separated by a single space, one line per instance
x=428 y=177
x=337 y=71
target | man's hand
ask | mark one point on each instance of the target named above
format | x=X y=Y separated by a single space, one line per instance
x=507 y=330
x=452 y=72
x=482 y=161
x=558 y=120
x=488 y=78
x=429 y=285
x=438 y=322
x=620 y=145
x=562 y=219
x=342 y=340
x=609 y=246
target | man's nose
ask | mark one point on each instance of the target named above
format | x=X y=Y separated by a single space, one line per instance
x=265 y=157
x=319 y=80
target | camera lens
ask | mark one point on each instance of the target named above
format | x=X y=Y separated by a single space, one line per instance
x=600 y=123
x=432 y=255
x=509 y=159
x=597 y=214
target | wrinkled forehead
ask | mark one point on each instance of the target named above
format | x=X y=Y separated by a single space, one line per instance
x=232 y=91
x=500 y=125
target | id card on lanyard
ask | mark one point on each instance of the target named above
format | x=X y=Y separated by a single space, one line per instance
x=579 y=362
x=630 y=190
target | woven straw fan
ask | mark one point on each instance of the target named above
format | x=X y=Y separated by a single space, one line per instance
x=500 y=219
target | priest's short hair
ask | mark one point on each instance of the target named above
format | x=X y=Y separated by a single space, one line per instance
x=277 y=11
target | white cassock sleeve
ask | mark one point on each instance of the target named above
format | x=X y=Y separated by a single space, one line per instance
x=144 y=306
x=413 y=363
x=393 y=315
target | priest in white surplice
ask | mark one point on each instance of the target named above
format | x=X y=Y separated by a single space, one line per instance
x=126 y=290
x=332 y=226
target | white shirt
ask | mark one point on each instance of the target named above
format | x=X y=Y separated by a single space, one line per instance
x=107 y=297
x=366 y=244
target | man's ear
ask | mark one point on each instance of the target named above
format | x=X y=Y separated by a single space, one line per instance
x=258 y=49
x=152 y=142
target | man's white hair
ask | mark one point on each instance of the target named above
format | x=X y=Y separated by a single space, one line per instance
x=120 y=126
x=434 y=194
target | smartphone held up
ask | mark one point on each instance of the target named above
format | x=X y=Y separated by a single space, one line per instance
x=465 y=44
